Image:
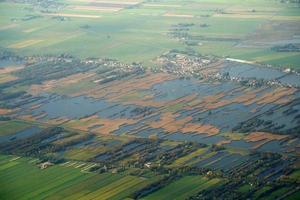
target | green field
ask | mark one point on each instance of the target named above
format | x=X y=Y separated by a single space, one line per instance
x=21 y=179
x=142 y=33
x=10 y=127
x=183 y=188
x=113 y=129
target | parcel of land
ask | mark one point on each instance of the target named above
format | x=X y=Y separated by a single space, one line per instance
x=149 y=100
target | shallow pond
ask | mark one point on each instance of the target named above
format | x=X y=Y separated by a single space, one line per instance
x=178 y=88
x=8 y=63
x=81 y=106
x=201 y=138
x=291 y=79
x=272 y=146
x=251 y=71
x=28 y=132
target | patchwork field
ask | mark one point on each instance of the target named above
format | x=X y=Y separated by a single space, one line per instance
x=57 y=182
x=165 y=99
x=194 y=124
x=116 y=29
x=183 y=188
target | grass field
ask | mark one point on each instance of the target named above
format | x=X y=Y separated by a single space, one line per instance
x=141 y=33
x=22 y=179
x=145 y=127
x=294 y=196
x=10 y=127
x=183 y=188
x=185 y=159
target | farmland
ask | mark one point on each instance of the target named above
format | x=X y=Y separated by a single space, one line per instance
x=147 y=100
x=153 y=129
x=183 y=188
x=117 y=30
x=62 y=182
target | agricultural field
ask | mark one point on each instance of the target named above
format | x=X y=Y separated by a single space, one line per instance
x=125 y=30
x=159 y=100
x=63 y=181
x=183 y=188
x=195 y=128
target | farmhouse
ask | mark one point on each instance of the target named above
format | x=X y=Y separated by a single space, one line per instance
x=148 y=165
x=45 y=165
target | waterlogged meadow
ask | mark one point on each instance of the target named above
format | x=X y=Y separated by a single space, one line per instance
x=149 y=100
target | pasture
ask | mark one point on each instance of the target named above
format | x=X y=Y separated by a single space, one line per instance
x=21 y=178
x=164 y=99
x=183 y=188
x=134 y=31
x=10 y=127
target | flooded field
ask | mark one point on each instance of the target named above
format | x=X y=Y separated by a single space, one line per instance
x=251 y=71
x=150 y=100
x=28 y=132
x=248 y=71
x=179 y=109
x=217 y=117
x=81 y=106
x=9 y=63
x=224 y=119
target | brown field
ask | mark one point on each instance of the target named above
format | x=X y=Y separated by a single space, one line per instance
x=73 y=15
x=209 y=102
x=278 y=96
x=259 y=136
x=145 y=102
x=186 y=100
x=57 y=121
x=257 y=16
x=174 y=105
x=9 y=69
x=243 y=16
x=36 y=106
x=108 y=6
x=7 y=77
x=109 y=2
x=110 y=125
x=26 y=43
x=177 y=15
x=263 y=138
x=233 y=136
x=241 y=9
x=223 y=142
x=83 y=124
x=130 y=2
x=96 y=8
x=273 y=31
x=28 y=117
x=107 y=125
x=9 y=26
x=57 y=38
x=115 y=90
x=4 y=111
x=48 y=85
x=30 y=30
x=161 y=5
x=249 y=97
x=200 y=128
x=169 y=123
x=68 y=139
x=212 y=68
